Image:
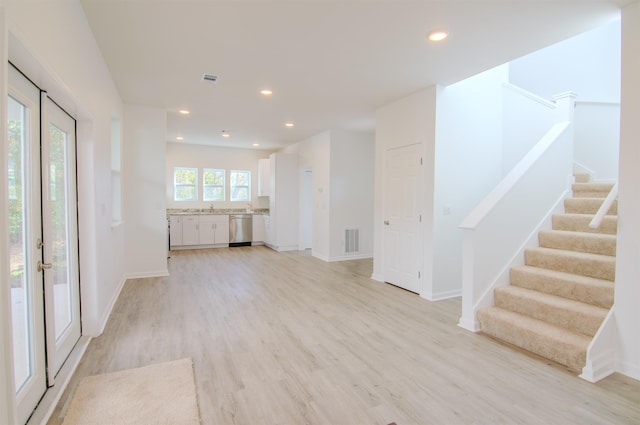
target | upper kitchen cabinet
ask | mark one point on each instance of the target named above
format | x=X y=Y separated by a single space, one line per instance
x=283 y=202
x=264 y=167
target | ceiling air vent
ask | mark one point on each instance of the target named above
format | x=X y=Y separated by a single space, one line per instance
x=210 y=78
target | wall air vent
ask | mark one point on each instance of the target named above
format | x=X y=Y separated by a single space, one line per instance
x=210 y=78
x=351 y=241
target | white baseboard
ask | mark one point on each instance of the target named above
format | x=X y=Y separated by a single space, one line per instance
x=377 y=277
x=600 y=367
x=112 y=303
x=350 y=257
x=629 y=369
x=442 y=295
x=470 y=325
x=141 y=275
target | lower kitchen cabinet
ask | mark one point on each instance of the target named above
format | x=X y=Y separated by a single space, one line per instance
x=258 y=229
x=194 y=230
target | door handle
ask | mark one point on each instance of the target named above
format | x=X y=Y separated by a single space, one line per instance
x=386 y=222
x=43 y=266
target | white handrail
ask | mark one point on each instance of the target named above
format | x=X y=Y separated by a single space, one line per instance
x=506 y=184
x=604 y=208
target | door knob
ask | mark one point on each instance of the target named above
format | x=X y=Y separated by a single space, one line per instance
x=43 y=266
x=386 y=222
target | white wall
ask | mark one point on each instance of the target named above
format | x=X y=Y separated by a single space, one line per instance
x=627 y=294
x=468 y=164
x=525 y=119
x=144 y=191
x=406 y=121
x=597 y=136
x=352 y=190
x=200 y=156
x=587 y=64
x=314 y=153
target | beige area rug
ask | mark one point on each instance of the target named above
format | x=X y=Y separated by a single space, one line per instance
x=163 y=393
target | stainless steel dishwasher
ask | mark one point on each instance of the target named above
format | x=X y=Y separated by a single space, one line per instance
x=240 y=229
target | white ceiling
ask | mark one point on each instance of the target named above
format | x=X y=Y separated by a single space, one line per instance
x=329 y=63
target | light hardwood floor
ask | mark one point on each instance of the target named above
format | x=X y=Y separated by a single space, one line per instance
x=284 y=338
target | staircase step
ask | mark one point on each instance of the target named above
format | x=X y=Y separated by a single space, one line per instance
x=585 y=289
x=572 y=315
x=549 y=341
x=595 y=243
x=580 y=223
x=591 y=190
x=587 y=206
x=582 y=177
x=581 y=263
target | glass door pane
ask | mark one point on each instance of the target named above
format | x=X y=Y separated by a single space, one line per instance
x=59 y=231
x=24 y=206
x=18 y=259
x=62 y=284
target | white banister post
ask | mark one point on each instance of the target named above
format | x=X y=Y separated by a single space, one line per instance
x=565 y=106
x=468 y=317
x=565 y=111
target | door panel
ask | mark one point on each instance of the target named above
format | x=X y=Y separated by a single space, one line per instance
x=59 y=206
x=27 y=305
x=402 y=247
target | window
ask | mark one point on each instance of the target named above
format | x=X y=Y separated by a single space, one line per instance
x=240 y=185
x=213 y=185
x=185 y=184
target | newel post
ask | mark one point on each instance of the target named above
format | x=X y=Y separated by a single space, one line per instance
x=565 y=111
x=565 y=106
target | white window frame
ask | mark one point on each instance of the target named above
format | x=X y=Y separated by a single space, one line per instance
x=233 y=186
x=205 y=185
x=177 y=185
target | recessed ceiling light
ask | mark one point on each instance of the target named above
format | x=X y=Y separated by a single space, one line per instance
x=256 y=144
x=438 y=35
x=289 y=124
x=225 y=133
x=184 y=112
x=266 y=92
x=179 y=138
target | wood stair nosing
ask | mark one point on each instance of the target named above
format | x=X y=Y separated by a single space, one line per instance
x=573 y=315
x=539 y=337
x=581 y=263
x=585 y=289
x=595 y=243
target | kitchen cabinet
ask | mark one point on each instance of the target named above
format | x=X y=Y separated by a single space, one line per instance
x=220 y=229
x=175 y=230
x=190 y=230
x=267 y=229
x=258 y=229
x=193 y=230
x=283 y=202
x=264 y=165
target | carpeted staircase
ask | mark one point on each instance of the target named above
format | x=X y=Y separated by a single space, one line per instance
x=558 y=299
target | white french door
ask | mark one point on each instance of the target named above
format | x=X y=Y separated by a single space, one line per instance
x=43 y=247
x=402 y=243
x=60 y=238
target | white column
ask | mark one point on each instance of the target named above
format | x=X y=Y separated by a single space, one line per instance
x=627 y=288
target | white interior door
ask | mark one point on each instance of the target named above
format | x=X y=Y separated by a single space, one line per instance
x=402 y=244
x=60 y=249
x=27 y=301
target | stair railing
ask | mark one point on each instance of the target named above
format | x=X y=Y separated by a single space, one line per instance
x=604 y=208
x=496 y=232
